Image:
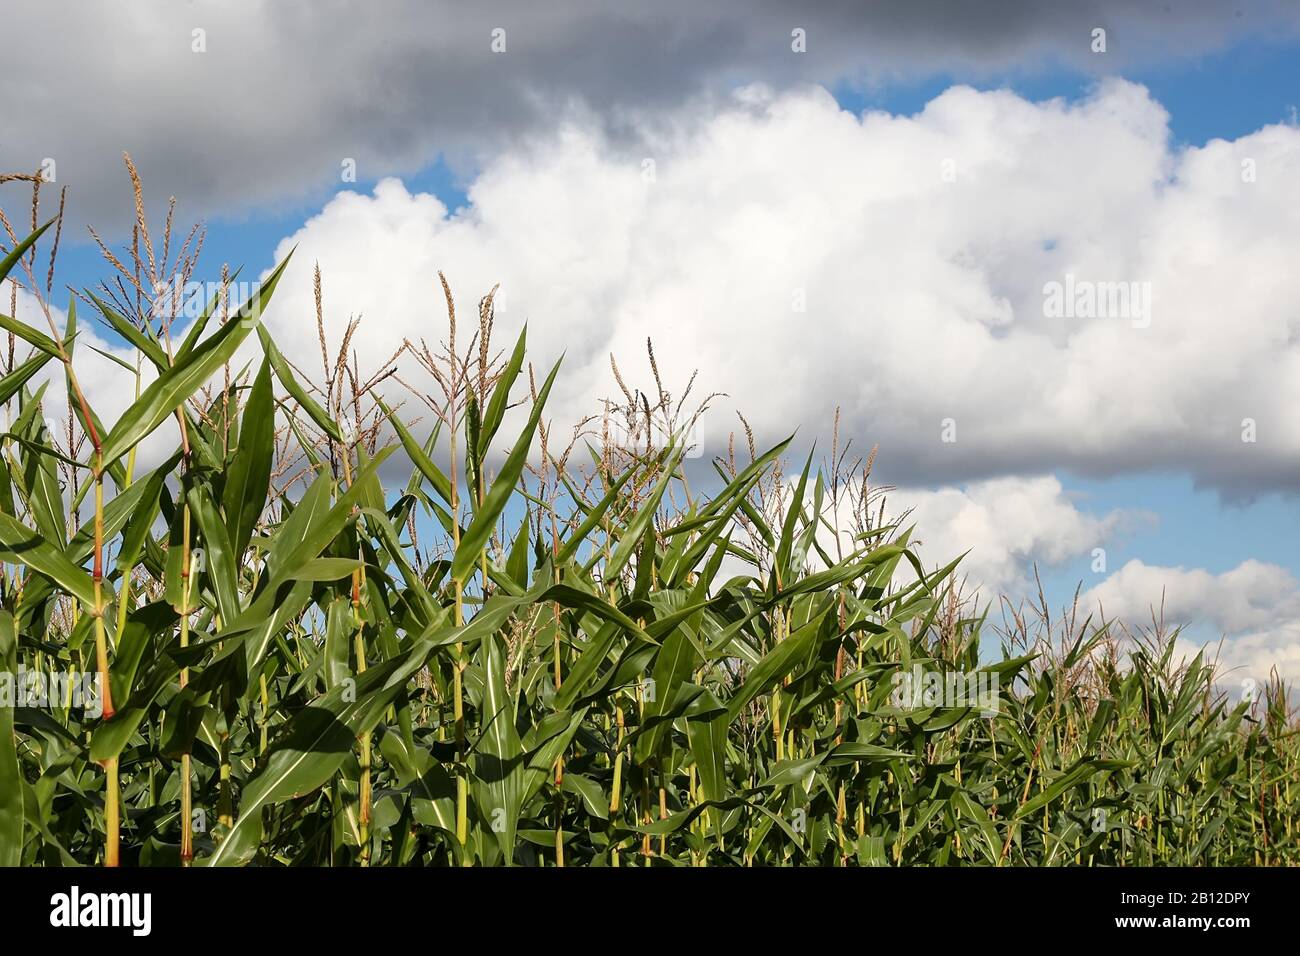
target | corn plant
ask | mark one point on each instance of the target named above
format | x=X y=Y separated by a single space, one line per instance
x=525 y=657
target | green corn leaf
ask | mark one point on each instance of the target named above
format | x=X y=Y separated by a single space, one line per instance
x=314 y=523
x=291 y=384
x=338 y=634
x=706 y=733
x=494 y=502
x=631 y=535
x=592 y=520
x=775 y=664
x=314 y=745
x=674 y=663
x=248 y=479
x=517 y=563
x=124 y=327
x=420 y=457
x=44 y=493
x=16 y=253
x=146 y=627
x=22 y=545
x=500 y=400
x=1079 y=772
x=32 y=337
x=174 y=386
x=781 y=564
x=14 y=382
x=201 y=322
x=110 y=738
x=499 y=758
x=217 y=555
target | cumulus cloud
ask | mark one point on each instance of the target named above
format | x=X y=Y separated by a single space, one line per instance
x=1248 y=617
x=804 y=257
x=283 y=92
x=1251 y=596
x=1008 y=525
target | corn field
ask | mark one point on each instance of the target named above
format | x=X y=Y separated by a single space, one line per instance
x=536 y=651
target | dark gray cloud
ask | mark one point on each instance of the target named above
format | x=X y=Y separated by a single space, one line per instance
x=287 y=90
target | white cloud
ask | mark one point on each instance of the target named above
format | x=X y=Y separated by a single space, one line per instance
x=1254 y=608
x=924 y=298
x=1008 y=525
x=1251 y=596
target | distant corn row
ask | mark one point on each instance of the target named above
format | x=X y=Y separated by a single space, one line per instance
x=579 y=662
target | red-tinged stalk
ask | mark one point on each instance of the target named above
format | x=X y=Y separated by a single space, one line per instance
x=113 y=796
x=112 y=800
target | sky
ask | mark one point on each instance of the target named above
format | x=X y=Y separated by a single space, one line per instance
x=1049 y=270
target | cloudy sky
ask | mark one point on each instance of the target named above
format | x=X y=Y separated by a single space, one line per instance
x=1044 y=255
